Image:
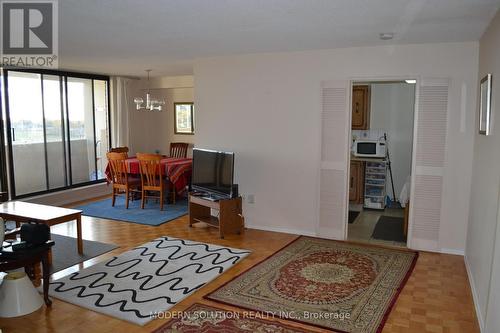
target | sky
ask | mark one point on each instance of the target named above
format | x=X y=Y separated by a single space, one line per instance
x=25 y=97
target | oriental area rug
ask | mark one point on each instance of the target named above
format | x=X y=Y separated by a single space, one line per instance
x=204 y=318
x=335 y=285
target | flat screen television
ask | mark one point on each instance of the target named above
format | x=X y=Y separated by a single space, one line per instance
x=213 y=172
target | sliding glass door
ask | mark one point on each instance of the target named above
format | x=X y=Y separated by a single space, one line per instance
x=54 y=132
x=101 y=117
x=26 y=132
x=56 y=124
x=81 y=130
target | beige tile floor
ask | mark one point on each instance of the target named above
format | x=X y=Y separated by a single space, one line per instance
x=362 y=228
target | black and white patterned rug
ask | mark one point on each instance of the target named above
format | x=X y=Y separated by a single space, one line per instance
x=146 y=280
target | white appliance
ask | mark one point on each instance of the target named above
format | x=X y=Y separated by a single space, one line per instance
x=369 y=148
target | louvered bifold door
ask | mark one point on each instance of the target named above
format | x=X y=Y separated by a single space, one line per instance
x=431 y=131
x=334 y=153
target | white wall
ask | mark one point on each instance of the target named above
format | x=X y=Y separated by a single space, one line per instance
x=392 y=110
x=483 y=219
x=153 y=131
x=492 y=318
x=266 y=108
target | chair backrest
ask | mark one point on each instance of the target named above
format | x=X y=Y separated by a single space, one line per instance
x=151 y=170
x=178 y=149
x=118 y=166
x=119 y=150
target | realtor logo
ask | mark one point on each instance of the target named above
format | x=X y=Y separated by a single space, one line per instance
x=29 y=33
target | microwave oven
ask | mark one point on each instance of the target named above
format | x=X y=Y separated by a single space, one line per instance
x=370 y=148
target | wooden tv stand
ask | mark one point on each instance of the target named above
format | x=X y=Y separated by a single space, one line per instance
x=230 y=218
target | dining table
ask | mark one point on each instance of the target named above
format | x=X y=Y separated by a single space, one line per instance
x=177 y=170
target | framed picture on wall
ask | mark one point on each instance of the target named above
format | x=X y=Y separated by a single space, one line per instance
x=485 y=105
x=183 y=118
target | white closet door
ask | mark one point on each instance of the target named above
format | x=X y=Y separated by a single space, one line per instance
x=334 y=159
x=431 y=120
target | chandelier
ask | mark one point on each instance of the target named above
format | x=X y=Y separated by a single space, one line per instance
x=151 y=103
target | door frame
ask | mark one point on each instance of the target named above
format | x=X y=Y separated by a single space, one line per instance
x=4 y=194
x=376 y=79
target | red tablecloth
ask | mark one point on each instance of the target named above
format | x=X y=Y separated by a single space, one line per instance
x=178 y=170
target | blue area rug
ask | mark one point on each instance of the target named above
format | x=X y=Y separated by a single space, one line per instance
x=150 y=215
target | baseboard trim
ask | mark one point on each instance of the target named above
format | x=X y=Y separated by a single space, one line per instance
x=475 y=297
x=424 y=245
x=453 y=251
x=283 y=230
x=66 y=197
x=314 y=234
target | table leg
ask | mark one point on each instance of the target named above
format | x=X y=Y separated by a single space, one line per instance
x=34 y=273
x=79 y=234
x=45 y=273
x=49 y=255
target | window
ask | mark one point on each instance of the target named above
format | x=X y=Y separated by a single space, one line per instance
x=57 y=129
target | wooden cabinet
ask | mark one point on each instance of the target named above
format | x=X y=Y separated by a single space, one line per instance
x=361 y=107
x=356 y=182
x=230 y=218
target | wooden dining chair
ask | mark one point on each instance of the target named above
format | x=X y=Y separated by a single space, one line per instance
x=178 y=149
x=152 y=177
x=121 y=180
x=119 y=150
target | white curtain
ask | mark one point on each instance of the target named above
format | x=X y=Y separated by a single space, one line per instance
x=119 y=111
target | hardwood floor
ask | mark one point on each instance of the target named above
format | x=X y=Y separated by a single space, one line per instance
x=436 y=298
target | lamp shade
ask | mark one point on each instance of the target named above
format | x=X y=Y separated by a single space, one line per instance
x=18 y=296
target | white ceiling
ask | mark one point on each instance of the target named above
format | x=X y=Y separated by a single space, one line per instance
x=127 y=36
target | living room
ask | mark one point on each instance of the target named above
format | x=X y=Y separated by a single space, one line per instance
x=270 y=83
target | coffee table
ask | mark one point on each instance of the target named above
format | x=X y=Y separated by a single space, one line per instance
x=26 y=212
